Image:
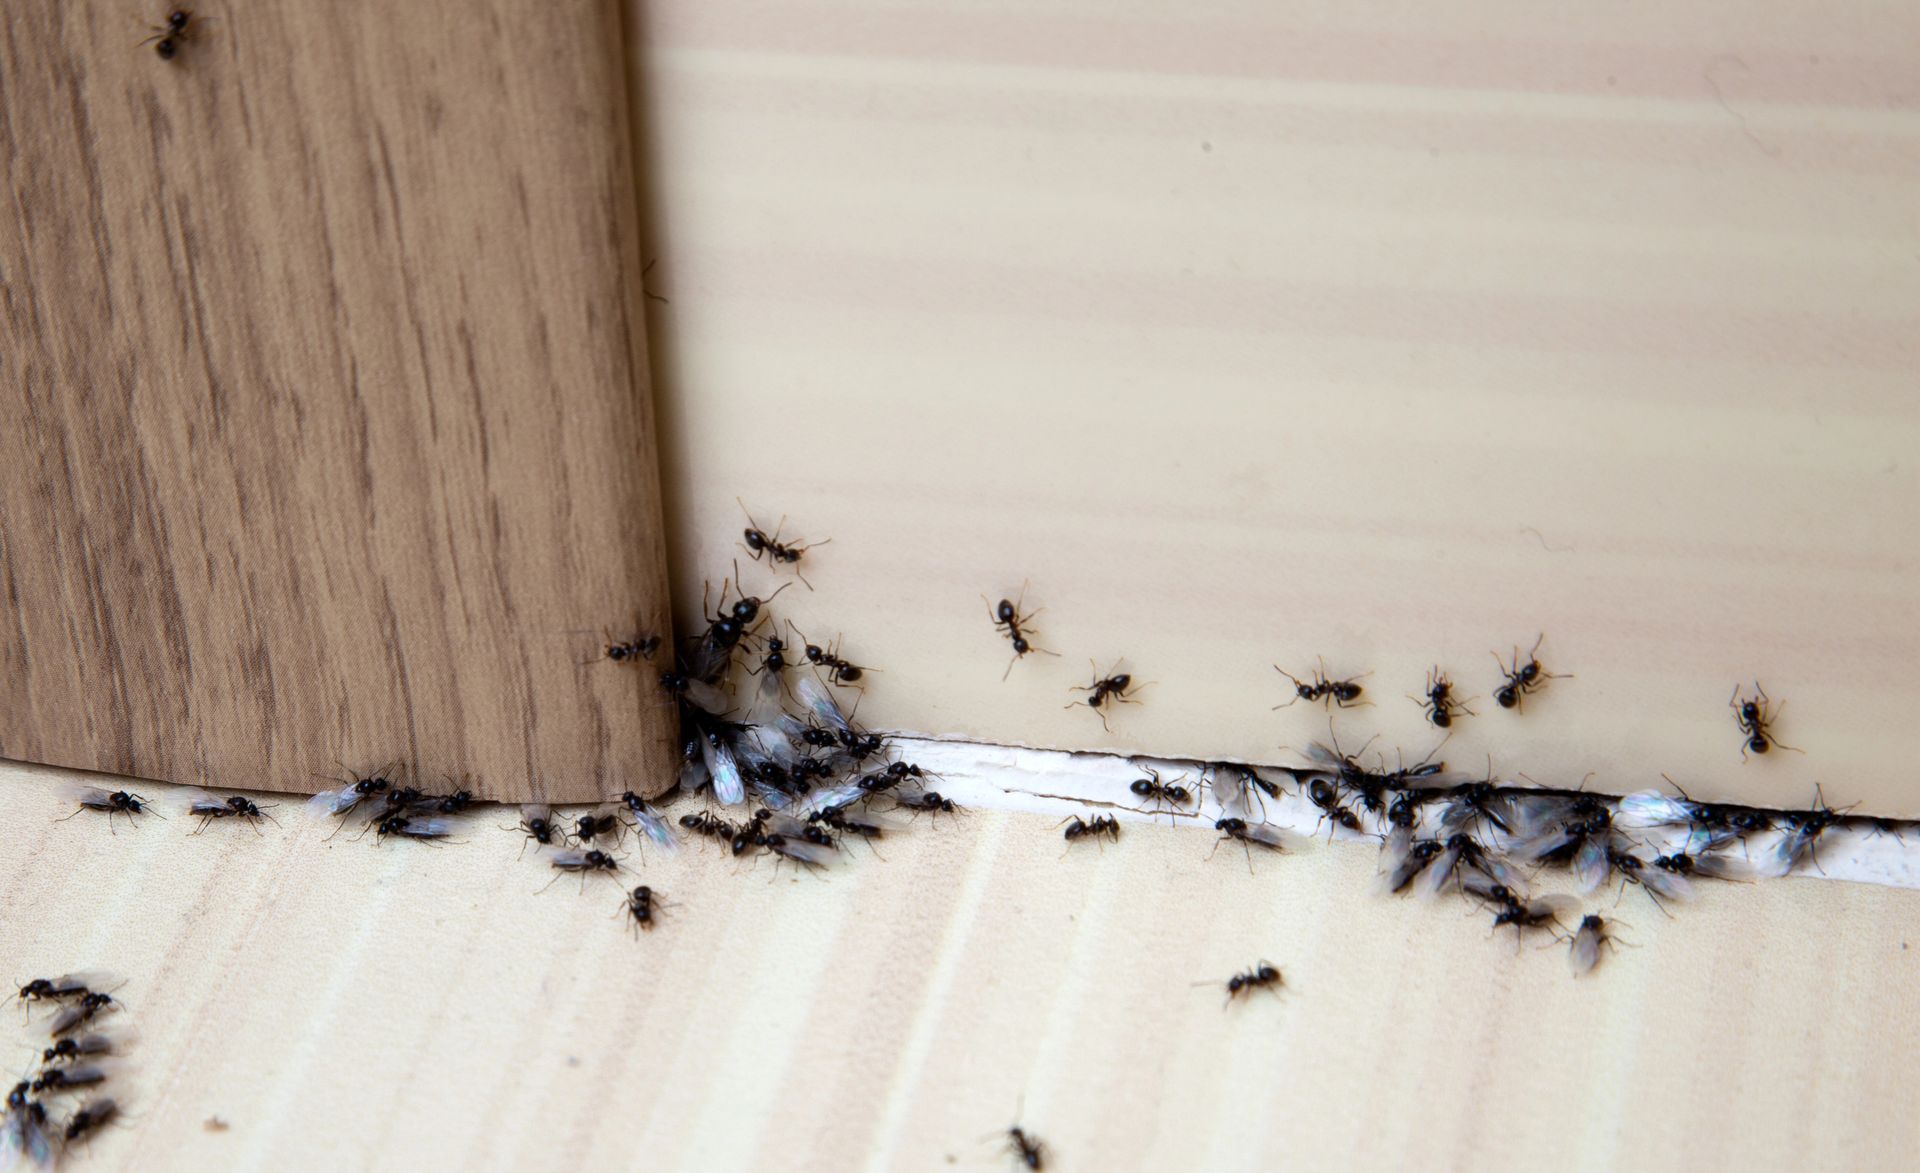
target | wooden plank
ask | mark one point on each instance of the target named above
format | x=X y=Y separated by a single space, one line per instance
x=895 y=1013
x=325 y=414
x=1254 y=334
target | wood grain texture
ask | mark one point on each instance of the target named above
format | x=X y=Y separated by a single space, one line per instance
x=1254 y=332
x=341 y=1005
x=324 y=414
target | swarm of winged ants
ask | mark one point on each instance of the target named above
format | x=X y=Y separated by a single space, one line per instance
x=767 y=738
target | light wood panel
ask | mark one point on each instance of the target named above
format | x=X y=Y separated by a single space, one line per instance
x=403 y=1007
x=1252 y=332
x=325 y=419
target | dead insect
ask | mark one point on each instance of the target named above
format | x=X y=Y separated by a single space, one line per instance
x=167 y=38
x=1523 y=679
x=1755 y=715
x=1345 y=693
x=779 y=553
x=1439 y=702
x=1113 y=687
x=114 y=802
x=1092 y=828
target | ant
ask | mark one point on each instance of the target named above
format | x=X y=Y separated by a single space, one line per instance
x=777 y=552
x=629 y=650
x=1326 y=796
x=709 y=825
x=1097 y=825
x=1345 y=693
x=1754 y=715
x=1026 y=1148
x=1584 y=943
x=116 y=802
x=209 y=808
x=639 y=906
x=1113 y=687
x=1440 y=703
x=588 y=826
x=71 y=1048
x=1007 y=617
x=167 y=39
x=1249 y=835
x=536 y=823
x=582 y=862
x=89 y=1116
x=931 y=802
x=53 y=989
x=1150 y=787
x=839 y=671
x=90 y=1005
x=1522 y=679
x=1264 y=976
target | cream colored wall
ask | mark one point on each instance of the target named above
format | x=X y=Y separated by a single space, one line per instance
x=1251 y=332
x=344 y=1005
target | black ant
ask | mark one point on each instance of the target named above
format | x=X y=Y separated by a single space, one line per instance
x=1112 y=687
x=1585 y=942
x=209 y=808
x=1755 y=715
x=85 y=1010
x=1440 y=702
x=89 y=1116
x=1264 y=976
x=167 y=39
x=1151 y=788
x=115 y=802
x=1522 y=679
x=777 y=552
x=1249 y=836
x=1345 y=693
x=931 y=802
x=708 y=825
x=630 y=650
x=839 y=671
x=1326 y=796
x=53 y=989
x=1006 y=616
x=1026 y=1148
x=589 y=826
x=536 y=823
x=582 y=862
x=639 y=907
x=1096 y=826
x=72 y=1048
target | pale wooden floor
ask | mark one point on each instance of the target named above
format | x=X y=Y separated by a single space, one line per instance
x=350 y=1006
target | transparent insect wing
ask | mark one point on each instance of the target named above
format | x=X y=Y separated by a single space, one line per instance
x=1584 y=954
x=1650 y=808
x=1793 y=847
x=707 y=697
x=728 y=786
x=335 y=802
x=201 y=802
x=832 y=799
x=1590 y=864
x=1551 y=907
x=1723 y=867
x=814 y=696
x=1264 y=835
x=1543 y=844
x=1435 y=878
x=1394 y=848
x=92 y=797
x=427 y=828
x=801 y=851
x=572 y=861
x=23 y=1143
x=1499 y=872
x=1531 y=817
x=1410 y=868
x=654 y=825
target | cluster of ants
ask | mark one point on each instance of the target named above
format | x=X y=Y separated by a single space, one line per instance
x=69 y=1065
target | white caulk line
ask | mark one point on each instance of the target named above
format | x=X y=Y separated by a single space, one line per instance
x=1045 y=781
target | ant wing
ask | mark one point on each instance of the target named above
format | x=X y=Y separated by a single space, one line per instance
x=834 y=798
x=1532 y=817
x=801 y=851
x=1590 y=864
x=92 y=797
x=1585 y=951
x=1433 y=881
x=334 y=802
x=654 y=824
x=202 y=802
x=427 y=828
x=1789 y=851
x=1723 y=867
x=1264 y=835
x=728 y=786
x=706 y=697
x=570 y=860
x=1665 y=884
x=22 y=1136
x=1650 y=808
x=820 y=703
